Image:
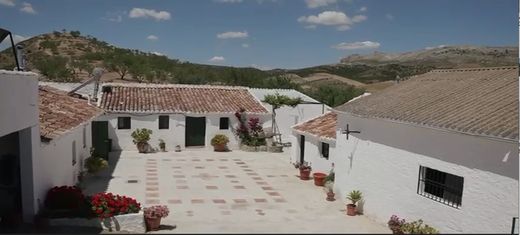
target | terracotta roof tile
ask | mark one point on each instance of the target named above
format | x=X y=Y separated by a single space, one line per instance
x=59 y=112
x=323 y=126
x=155 y=98
x=478 y=101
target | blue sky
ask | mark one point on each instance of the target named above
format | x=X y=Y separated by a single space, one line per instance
x=270 y=33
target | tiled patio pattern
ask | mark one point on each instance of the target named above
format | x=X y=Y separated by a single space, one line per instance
x=234 y=192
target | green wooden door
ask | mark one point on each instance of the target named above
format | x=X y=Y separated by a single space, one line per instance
x=100 y=140
x=195 y=131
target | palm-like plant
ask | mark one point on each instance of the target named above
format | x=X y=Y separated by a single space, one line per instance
x=354 y=196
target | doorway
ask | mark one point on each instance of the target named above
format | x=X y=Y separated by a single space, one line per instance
x=195 y=131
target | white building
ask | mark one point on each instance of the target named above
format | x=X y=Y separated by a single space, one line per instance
x=288 y=116
x=313 y=141
x=185 y=115
x=66 y=139
x=442 y=147
x=19 y=144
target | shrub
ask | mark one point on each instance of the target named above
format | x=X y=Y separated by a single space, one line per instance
x=106 y=205
x=141 y=135
x=219 y=139
x=64 y=197
x=156 y=212
x=417 y=227
x=400 y=226
x=95 y=162
x=395 y=224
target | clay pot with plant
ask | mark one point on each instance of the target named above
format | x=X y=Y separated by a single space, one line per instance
x=354 y=196
x=219 y=143
x=141 y=138
x=305 y=170
x=153 y=215
x=162 y=145
x=329 y=187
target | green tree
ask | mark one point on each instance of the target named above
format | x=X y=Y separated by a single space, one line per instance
x=277 y=101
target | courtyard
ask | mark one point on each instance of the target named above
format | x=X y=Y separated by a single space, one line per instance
x=231 y=192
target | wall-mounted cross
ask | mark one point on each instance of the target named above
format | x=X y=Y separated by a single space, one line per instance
x=347 y=131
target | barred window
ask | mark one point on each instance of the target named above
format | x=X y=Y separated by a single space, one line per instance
x=440 y=186
x=164 y=122
x=224 y=123
x=123 y=123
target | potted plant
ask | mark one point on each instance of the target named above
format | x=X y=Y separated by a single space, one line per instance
x=219 y=143
x=319 y=178
x=354 y=196
x=95 y=163
x=141 y=138
x=329 y=186
x=153 y=215
x=305 y=170
x=177 y=148
x=162 y=145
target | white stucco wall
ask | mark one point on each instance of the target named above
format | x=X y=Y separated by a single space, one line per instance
x=18 y=101
x=312 y=152
x=175 y=135
x=55 y=167
x=19 y=105
x=288 y=116
x=383 y=162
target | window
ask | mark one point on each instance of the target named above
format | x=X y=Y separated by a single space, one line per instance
x=164 y=122
x=73 y=152
x=123 y=123
x=325 y=150
x=224 y=123
x=440 y=186
x=84 y=136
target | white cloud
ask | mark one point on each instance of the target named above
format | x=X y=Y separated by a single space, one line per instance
x=261 y=67
x=389 y=16
x=152 y=37
x=217 y=59
x=228 y=1
x=228 y=35
x=245 y=45
x=363 y=9
x=319 y=3
x=357 y=45
x=439 y=46
x=27 y=8
x=149 y=13
x=9 y=3
x=332 y=18
x=157 y=53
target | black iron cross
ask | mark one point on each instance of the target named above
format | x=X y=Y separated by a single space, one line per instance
x=348 y=131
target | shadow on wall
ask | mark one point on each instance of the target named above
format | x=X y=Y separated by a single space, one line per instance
x=99 y=181
x=470 y=151
x=113 y=135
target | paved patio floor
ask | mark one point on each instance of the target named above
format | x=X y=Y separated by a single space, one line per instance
x=232 y=192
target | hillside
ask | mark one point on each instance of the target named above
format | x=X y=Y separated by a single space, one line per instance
x=70 y=56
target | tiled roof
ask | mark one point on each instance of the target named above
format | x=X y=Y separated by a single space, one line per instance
x=60 y=113
x=173 y=98
x=323 y=126
x=477 y=101
x=69 y=86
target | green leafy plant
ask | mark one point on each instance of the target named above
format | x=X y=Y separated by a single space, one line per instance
x=141 y=135
x=219 y=139
x=355 y=196
x=417 y=227
x=95 y=162
x=162 y=144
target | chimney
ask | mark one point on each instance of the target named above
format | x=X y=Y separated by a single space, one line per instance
x=21 y=57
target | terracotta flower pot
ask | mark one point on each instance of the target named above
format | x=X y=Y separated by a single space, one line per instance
x=219 y=147
x=319 y=178
x=152 y=224
x=141 y=147
x=305 y=173
x=351 y=209
x=330 y=196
